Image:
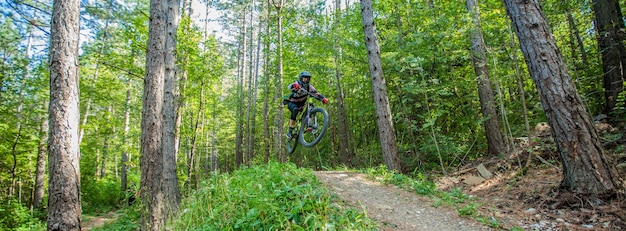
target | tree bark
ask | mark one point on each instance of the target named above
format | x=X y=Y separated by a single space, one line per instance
x=40 y=170
x=495 y=142
x=384 y=118
x=266 y=88
x=240 y=96
x=125 y=145
x=279 y=120
x=610 y=28
x=151 y=163
x=342 y=121
x=64 y=208
x=585 y=168
x=171 y=189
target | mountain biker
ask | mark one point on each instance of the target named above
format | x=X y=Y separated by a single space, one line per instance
x=295 y=101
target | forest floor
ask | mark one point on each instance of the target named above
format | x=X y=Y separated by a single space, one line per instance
x=529 y=201
x=90 y=222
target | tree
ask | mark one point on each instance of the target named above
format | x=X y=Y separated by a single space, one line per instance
x=64 y=208
x=153 y=215
x=495 y=143
x=170 y=178
x=40 y=169
x=585 y=168
x=383 y=111
x=342 y=121
x=610 y=29
x=279 y=120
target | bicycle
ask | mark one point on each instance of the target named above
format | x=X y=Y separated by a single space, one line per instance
x=314 y=124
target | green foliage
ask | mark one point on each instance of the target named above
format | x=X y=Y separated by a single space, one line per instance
x=269 y=197
x=100 y=196
x=15 y=216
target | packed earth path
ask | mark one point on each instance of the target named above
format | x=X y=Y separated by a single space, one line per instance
x=392 y=207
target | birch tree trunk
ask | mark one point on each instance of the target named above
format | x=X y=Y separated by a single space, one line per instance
x=585 y=168
x=495 y=142
x=64 y=208
x=384 y=118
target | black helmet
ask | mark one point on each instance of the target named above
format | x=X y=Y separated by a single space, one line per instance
x=304 y=74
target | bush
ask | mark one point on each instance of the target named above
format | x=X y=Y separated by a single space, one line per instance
x=15 y=216
x=101 y=196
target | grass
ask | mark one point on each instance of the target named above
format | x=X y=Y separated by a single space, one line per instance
x=269 y=197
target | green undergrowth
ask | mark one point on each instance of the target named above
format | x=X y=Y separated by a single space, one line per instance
x=464 y=204
x=269 y=197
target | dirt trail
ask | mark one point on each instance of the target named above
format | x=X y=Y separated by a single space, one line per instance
x=392 y=207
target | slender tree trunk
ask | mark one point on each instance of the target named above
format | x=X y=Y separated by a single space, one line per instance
x=575 y=36
x=105 y=145
x=194 y=138
x=171 y=189
x=495 y=143
x=278 y=119
x=266 y=87
x=383 y=111
x=240 y=98
x=342 y=121
x=255 y=87
x=125 y=145
x=585 y=168
x=64 y=208
x=610 y=28
x=40 y=172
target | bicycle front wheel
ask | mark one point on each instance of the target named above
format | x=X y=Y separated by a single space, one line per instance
x=314 y=129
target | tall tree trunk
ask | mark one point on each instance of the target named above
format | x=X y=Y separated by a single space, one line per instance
x=64 y=209
x=194 y=139
x=278 y=119
x=170 y=178
x=384 y=118
x=250 y=149
x=240 y=98
x=254 y=93
x=585 y=168
x=266 y=87
x=125 y=145
x=610 y=28
x=40 y=170
x=151 y=163
x=105 y=145
x=342 y=121
x=495 y=142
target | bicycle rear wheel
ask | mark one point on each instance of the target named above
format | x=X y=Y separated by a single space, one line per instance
x=314 y=129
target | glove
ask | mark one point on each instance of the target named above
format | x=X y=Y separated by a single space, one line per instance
x=324 y=101
x=296 y=86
